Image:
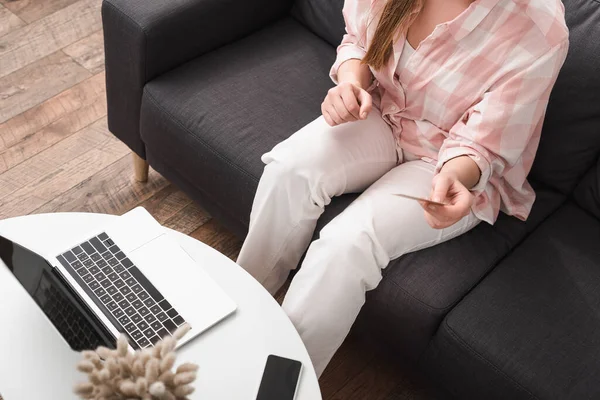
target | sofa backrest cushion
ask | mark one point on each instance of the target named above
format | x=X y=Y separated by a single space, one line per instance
x=570 y=141
x=322 y=17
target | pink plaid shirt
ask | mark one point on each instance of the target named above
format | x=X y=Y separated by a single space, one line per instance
x=477 y=86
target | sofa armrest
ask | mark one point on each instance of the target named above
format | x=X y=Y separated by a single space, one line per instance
x=145 y=38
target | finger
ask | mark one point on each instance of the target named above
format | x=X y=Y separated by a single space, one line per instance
x=351 y=103
x=333 y=115
x=366 y=103
x=328 y=119
x=341 y=109
x=441 y=185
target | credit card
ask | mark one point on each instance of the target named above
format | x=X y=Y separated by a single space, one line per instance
x=407 y=196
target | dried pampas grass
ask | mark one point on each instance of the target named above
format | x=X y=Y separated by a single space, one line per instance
x=143 y=375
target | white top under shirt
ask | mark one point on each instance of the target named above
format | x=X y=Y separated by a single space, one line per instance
x=407 y=52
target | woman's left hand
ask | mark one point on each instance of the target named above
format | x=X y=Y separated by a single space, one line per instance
x=447 y=189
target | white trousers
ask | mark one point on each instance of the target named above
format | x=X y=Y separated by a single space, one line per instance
x=301 y=176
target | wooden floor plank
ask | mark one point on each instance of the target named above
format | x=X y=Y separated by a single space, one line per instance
x=48 y=35
x=34 y=195
x=29 y=122
x=112 y=190
x=51 y=161
x=216 y=236
x=167 y=203
x=32 y=10
x=9 y=21
x=88 y=52
x=190 y=218
x=38 y=82
x=51 y=134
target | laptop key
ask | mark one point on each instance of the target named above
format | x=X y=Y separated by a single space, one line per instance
x=172 y=313
x=120 y=255
x=113 y=262
x=94 y=270
x=136 y=334
x=113 y=276
x=163 y=333
x=148 y=332
x=98 y=245
x=118 y=312
x=137 y=304
x=125 y=321
x=143 y=295
x=136 y=288
x=154 y=339
x=100 y=292
x=82 y=271
x=118 y=297
x=82 y=256
x=77 y=250
x=136 y=318
x=150 y=318
x=171 y=327
x=100 y=276
x=119 y=283
x=125 y=275
x=70 y=257
x=88 y=248
x=143 y=311
x=108 y=242
x=119 y=268
x=130 y=311
x=101 y=263
x=165 y=305
x=96 y=257
x=162 y=316
x=130 y=281
x=131 y=297
x=103 y=236
x=111 y=290
x=125 y=290
x=178 y=320
x=114 y=249
x=107 y=270
x=94 y=285
x=88 y=263
x=88 y=278
x=105 y=299
x=149 y=302
x=143 y=342
x=143 y=325
x=155 y=309
x=112 y=306
x=105 y=283
x=123 y=304
x=156 y=325
x=127 y=262
x=76 y=265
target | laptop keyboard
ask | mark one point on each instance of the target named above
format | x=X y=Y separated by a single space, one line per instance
x=121 y=291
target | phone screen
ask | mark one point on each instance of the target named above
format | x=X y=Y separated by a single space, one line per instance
x=280 y=379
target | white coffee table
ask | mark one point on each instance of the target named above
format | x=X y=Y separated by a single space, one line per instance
x=231 y=355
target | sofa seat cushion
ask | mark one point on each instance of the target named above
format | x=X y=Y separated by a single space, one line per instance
x=212 y=118
x=531 y=329
x=420 y=288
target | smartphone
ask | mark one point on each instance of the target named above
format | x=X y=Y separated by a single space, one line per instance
x=408 y=196
x=280 y=379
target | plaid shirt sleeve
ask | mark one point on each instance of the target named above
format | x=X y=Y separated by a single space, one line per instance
x=497 y=130
x=353 y=45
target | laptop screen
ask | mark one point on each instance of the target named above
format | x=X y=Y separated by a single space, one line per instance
x=51 y=293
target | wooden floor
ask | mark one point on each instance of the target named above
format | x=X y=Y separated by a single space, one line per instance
x=56 y=154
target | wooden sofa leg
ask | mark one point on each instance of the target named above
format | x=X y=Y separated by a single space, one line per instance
x=140 y=167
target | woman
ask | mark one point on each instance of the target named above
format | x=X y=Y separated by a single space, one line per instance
x=439 y=98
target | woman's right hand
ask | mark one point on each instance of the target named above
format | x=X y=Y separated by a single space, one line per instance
x=346 y=102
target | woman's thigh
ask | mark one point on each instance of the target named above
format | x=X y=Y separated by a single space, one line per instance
x=396 y=225
x=345 y=158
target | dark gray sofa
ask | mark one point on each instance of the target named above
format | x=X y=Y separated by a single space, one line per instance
x=202 y=88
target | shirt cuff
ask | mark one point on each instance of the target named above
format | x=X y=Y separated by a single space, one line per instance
x=345 y=53
x=484 y=166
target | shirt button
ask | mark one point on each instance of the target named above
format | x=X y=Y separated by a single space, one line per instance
x=393 y=108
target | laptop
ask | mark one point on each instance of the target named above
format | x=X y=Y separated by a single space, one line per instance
x=127 y=277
